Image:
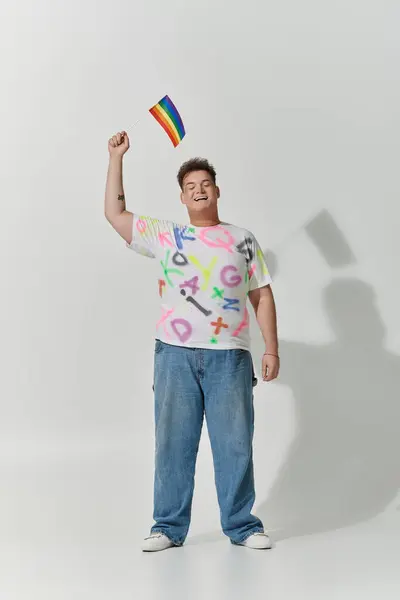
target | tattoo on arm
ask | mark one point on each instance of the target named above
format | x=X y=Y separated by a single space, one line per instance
x=121 y=197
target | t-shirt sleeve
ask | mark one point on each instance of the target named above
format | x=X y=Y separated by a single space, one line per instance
x=259 y=275
x=149 y=234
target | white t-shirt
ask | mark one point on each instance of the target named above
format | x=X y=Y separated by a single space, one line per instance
x=205 y=274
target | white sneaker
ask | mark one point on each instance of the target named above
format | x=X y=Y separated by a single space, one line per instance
x=257 y=540
x=156 y=541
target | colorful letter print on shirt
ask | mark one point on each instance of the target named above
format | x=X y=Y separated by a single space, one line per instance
x=204 y=276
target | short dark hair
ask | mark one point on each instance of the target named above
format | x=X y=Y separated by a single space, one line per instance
x=195 y=164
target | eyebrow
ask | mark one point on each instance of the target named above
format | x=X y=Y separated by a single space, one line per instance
x=193 y=182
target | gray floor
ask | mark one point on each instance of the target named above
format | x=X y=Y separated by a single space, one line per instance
x=72 y=524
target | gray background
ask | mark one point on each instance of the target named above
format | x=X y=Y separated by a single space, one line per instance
x=297 y=106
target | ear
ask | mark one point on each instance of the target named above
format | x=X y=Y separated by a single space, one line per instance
x=182 y=199
x=218 y=192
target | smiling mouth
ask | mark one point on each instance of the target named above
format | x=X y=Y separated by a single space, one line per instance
x=200 y=198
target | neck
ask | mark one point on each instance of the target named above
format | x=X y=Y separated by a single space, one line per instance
x=202 y=221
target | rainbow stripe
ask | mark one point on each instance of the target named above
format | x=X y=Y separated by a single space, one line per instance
x=166 y=114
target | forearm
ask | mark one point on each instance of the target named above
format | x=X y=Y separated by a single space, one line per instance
x=114 y=197
x=266 y=319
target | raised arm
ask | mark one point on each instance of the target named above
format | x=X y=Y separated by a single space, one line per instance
x=114 y=205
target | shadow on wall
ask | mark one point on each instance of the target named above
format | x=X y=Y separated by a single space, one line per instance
x=343 y=466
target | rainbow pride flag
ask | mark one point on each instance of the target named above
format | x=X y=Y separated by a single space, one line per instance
x=165 y=112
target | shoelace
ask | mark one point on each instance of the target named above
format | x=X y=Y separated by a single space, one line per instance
x=153 y=535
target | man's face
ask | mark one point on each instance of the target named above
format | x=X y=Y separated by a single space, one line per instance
x=199 y=192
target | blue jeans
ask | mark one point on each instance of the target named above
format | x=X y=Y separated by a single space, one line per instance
x=188 y=383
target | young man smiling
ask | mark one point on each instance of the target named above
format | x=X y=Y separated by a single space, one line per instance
x=202 y=360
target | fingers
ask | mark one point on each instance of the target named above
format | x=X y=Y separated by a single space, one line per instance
x=272 y=374
x=119 y=138
x=270 y=369
x=125 y=139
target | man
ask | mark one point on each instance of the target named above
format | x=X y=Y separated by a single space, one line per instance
x=202 y=360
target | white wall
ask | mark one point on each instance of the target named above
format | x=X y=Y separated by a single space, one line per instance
x=297 y=105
